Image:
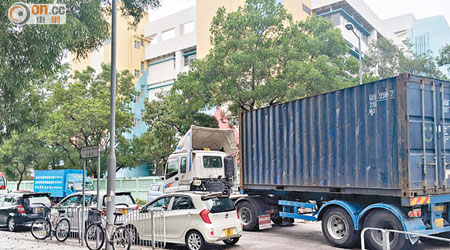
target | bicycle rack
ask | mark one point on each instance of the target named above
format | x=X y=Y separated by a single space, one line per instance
x=385 y=234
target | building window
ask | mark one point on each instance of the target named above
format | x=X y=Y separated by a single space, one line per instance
x=142 y=66
x=189 y=56
x=137 y=45
x=142 y=42
x=168 y=34
x=137 y=73
x=143 y=91
x=306 y=9
x=187 y=27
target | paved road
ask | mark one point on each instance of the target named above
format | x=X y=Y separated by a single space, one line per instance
x=299 y=236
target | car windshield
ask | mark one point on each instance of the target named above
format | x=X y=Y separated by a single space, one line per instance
x=219 y=204
x=33 y=201
x=121 y=199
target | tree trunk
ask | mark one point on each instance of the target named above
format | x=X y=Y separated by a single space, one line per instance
x=20 y=181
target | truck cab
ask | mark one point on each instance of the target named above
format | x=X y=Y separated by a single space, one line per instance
x=203 y=161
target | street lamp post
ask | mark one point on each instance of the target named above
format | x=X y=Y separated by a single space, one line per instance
x=351 y=28
x=111 y=178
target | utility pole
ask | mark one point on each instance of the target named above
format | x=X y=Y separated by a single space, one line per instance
x=111 y=178
x=350 y=27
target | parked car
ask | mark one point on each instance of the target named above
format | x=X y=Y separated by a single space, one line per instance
x=154 y=191
x=72 y=204
x=194 y=219
x=20 y=209
x=3 y=183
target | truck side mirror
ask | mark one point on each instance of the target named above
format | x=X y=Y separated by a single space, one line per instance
x=229 y=166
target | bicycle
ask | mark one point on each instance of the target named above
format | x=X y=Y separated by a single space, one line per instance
x=43 y=227
x=119 y=237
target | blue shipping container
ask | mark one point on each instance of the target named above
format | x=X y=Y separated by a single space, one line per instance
x=389 y=137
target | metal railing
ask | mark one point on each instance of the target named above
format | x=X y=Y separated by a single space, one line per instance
x=147 y=227
x=386 y=240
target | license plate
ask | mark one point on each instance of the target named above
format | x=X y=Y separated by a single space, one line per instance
x=228 y=231
x=264 y=221
x=38 y=210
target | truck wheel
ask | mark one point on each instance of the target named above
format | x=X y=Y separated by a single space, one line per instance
x=338 y=228
x=248 y=215
x=386 y=220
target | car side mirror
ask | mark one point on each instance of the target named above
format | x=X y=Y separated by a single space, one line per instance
x=229 y=167
x=165 y=207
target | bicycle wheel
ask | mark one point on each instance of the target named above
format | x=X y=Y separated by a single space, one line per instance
x=40 y=229
x=62 y=230
x=94 y=237
x=121 y=238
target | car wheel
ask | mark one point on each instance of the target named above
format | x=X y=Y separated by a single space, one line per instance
x=231 y=241
x=195 y=241
x=134 y=234
x=248 y=215
x=338 y=228
x=386 y=220
x=12 y=227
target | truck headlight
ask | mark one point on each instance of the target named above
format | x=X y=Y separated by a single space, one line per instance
x=197 y=182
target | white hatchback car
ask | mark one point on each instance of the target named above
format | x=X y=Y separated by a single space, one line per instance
x=194 y=219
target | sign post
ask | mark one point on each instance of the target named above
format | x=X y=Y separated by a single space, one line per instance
x=87 y=153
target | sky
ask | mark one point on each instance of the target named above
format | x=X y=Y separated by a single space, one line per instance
x=383 y=8
x=420 y=8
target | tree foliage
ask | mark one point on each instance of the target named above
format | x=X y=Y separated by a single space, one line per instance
x=167 y=119
x=444 y=57
x=31 y=53
x=20 y=153
x=260 y=57
x=386 y=59
x=78 y=114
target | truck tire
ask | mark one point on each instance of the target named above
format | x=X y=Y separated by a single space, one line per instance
x=338 y=228
x=248 y=215
x=386 y=220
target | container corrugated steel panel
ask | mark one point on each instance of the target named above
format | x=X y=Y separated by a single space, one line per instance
x=366 y=139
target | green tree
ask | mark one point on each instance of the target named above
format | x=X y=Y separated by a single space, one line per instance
x=31 y=53
x=260 y=57
x=385 y=59
x=167 y=119
x=444 y=57
x=78 y=114
x=21 y=153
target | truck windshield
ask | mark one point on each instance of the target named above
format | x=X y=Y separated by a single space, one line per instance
x=212 y=162
x=79 y=186
x=219 y=204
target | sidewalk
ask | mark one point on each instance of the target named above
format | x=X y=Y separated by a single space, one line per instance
x=25 y=241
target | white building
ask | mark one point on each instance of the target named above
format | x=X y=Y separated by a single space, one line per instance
x=367 y=24
x=172 y=47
